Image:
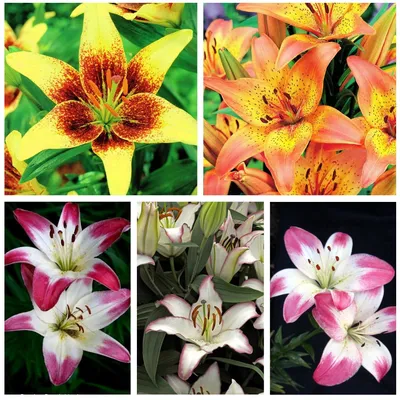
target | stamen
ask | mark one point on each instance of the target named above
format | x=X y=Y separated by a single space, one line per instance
x=112 y=111
x=309 y=261
x=287 y=95
x=379 y=344
x=386 y=118
x=329 y=248
x=73 y=238
x=195 y=311
x=363 y=345
x=65 y=225
x=264 y=121
x=306 y=189
x=80 y=309
x=308 y=173
x=208 y=311
x=214 y=49
x=193 y=391
x=108 y=79
x=334 y=175
x=76 y=230
x=68 y=311
x=125 y=86
x=318 y=267
x=333 y=268
x=391 y=109
x=219 y=314
x=62 y=242
x=89 y=310
x=80 y=327
x=201 y=390
x=95 y=89
x=265 y=99
x=237 y=124
x=204 y=326
x=125 y=100
x=214 y=321
x=337 y=258
x=326 y=8
x=51 y=231
x=310 y=7
x=335 y=185
x=319 y=167
x=318 y=251
x=94 y=101
x=226 y=121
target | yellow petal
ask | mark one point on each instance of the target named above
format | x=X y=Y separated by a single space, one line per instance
x=164 y=14
x=30 y=35
x=386 y=184
x=116 y=155
x=147 y=69
x=13 y=143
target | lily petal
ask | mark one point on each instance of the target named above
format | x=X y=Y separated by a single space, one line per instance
x=61 y=356
x=99 y=271
x=70 y=219
x=235 y=339
x=339 y=362
x=191 y=356
x=116 y=155
x=236 y=258
x=67 y=125
x=177 y=384
x=367 y=303
x=234 y=388
x=147 y=118
x=142 y=259
x=238 y=315
x=214 y=184
x=208 y=293
x=182 y=327
x=148 y=67
x=386 y=183
x=100 y=343
x=27 y=321
x=28 y=255
x=383 y=321
x=177 y=306
x=58 y=80
x=284 y=281
x=376 y=358
x=210 y=381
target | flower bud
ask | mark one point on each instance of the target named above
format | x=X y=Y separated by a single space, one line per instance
x=232 y=67
x=148 y=229
x=212 y=215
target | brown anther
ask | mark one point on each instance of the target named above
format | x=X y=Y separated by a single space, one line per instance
x=204 y=326
x=194 y=322
x=275 y=91
x=215 y=42
x=265 y=99
x=268 y=118
x=386 y=118
x=125 y=86
x=391 y=109
x=108 y=78
x=73 y=238
x=95 y=89
x=333 y=268
x=88 y=309
x=226 y=120
x=68 y=311
x=201 y=390
x=51 y=231
x=80 y=309
x=319 y=167
x=214 y=317
x=329 y=248
x=76 y=230
x=208 y=310
x=112 y=111
x=80 y=327
x=264 y=121
x=306 y=189
x=59 y=233
x=309 y=261
x=81 y=317
x=214 y=49
x=308 y=173
x=193 y=391
x=310 y=7
x=94 y=100
x=326 y=8
x=125 y=100
x=205 y=56
x=195 y=311
x=335 y=185
x=287 y=95
x=334 y=175
x=337 y=258
x=219 y=314
x=65 y=224
x=237 y=124
x=318 y=251
x=62 y=242
x=294 y=108
x=318 y=267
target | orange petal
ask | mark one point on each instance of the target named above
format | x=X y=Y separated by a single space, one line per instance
x=228 y=124
x=350 y=25
x=331 y=126
x=377 y=91
x=381 y=151
x=306 y=79
x=293 y=46
x=213 y=141
x=214 y=184
x=101 y=48
x=244 y=144
x=272 y=27
x=386 y=183
x=245 y=97
x=12 y=97
x=148 y=118
x=238 y=41
x=283 y=148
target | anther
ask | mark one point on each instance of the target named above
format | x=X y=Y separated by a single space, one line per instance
x=62 y=242
x=73 y=238
x=318 y=251
x=80 y=327
x=226 y=121
x=363 y=345
x=204 y=326
x=125 y=100
x=208 y=310
x=319 y=167
x=108 y=78
x=309 y=261
x=264 y=121
x=65 y=224
x=287 y=95
x=195 y=311
x=318 y=267
x=76 y=230
x=308 y=173
x=193 y=391
x=51 y=231
x=329 y=248
x=214 y=321
x=391 y=109
x=94 y=101
x=334 y=175
x=214 y=49
x=310 y=7
x=125 y=86
x=377 y=318
x=219 y=314
x=379 y=344
x=326 y=8
x=275 y=91
x=265 y=99
x=201 y=390
x=333 y=268
x=89 y=310
x=386 y=118
x=215 y=42
x=306 y=189
x=112 y=111
x=95 y=89
x=68 y=311
x=80 y=309
x=335 y=185
x=237 y=124
x=337 y=258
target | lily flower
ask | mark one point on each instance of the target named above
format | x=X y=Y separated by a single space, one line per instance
x=257 y=250
x=325 y=22
x=65 y=253
x=220 y=34
x=256 y=284
x=176 y=227
x=377 y=102
x=109 y=103
x=322 y=269
x=73 y=325
x=352 y=331
x=325 y=172
x=272 y=27
x=204 y=326
x=148 y=228
x=386 y=183
x=282 y=111
x=209 y=383
x=14 y=168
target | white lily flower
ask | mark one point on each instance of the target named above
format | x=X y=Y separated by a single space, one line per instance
x=73 y=325
x=209 y=383
x=257 y=250
x=257 y=285
x=176 y=229
x=204 y=326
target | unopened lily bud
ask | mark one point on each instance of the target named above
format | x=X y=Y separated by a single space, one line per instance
x=272 y=27
x=232 y=67
x=148 y=229
x=212 y=215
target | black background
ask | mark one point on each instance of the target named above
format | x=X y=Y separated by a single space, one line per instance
x=372 y=227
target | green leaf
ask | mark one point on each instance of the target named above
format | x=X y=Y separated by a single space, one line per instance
x=239 y=364
x=236 y=215
x=309 y=349
x=152 y=343
x=146 y=386
x=143 y=313
x=228 y=111
x=187 y=244
x=229 y=293
x=49 y=160
x=189 y=17
x=278 y=336
x=177 y=178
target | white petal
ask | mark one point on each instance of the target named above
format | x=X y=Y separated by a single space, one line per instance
x=236 y=258
x=27 y=321
x=216 y=260
x=259 y=322
x=210 y=381
x=234 y=388
x=246 y=227
x=177 y=384
x=208 y=294
x=181 y=327
x=284 y=281
x=189 y=360
x=187 y=215
x=367 y=303
x=177 y=306
x=383 y=321
x=238 y=315
x=141 y=259
x=235 y=339
x=338 y=248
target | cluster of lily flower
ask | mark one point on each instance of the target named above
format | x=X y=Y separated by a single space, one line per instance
x=204 y=325
x=346 y=290
x=58 y=274
x=313 y=138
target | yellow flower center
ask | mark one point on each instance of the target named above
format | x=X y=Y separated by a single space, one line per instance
x=320 y=183
x=207 y=317
x=322 y=13
x=69 y=322
x=390 y=121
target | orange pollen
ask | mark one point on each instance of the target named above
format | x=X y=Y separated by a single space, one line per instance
x=125 y=86
x=108 y=79
x=95 y=89
x=195 y=311
x=124 y=99
x=112 y=111
x=93 y=100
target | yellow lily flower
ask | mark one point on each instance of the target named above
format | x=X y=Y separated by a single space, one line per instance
x=325 y=22
x=14 y=168
x=109 y=102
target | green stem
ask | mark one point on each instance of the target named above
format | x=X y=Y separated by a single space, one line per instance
x=146 y=268
x=30 y=97
x=248 y=379
x=172 y=264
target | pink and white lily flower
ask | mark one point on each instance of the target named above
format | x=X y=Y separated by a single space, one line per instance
x=209 y=383
x=73 y=325
x=352 y=343
x=65 y=252
x=320 y=269
x=256 y=284
x=176 y=229
x=204 y=325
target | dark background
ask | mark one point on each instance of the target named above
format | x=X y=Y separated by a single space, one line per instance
x=25 y=371
x=372 y=227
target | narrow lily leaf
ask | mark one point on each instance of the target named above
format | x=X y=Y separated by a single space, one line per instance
x=228 y=111
x=152 y=343
x=229 y=293
x=237 y=216
x=146 y=386
x=187 y=244
x=143 y=313
x=239 y=364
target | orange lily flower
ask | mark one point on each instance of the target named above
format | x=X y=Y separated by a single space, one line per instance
x=14 y=168
x=377 y=102
x=110 y=102
x=220 y=34
x=323 y=172
x=282 y=110
x=272 y=27
x=325 y=21
x=386 y=183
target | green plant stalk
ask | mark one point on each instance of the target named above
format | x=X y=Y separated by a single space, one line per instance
x=152 y=281
x=172 y=264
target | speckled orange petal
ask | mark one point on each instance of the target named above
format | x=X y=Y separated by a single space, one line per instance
x=331 y=126
x=100 y=49
x=244 y=144
x=377 y=91
x=239 y=40
x=148 y=118
x=116 y=155
x=294 y=45
x=296 y=14
x=67 y=125
x=264 y=54
x=214 y=184
x=213 y=142
x=147 y=69
x=58 y=80
x=283 y=148
x=306 y=79
x=228 y=124
x=245 y=97
x=381 y=151
x=350 y=25
x=386 y=183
